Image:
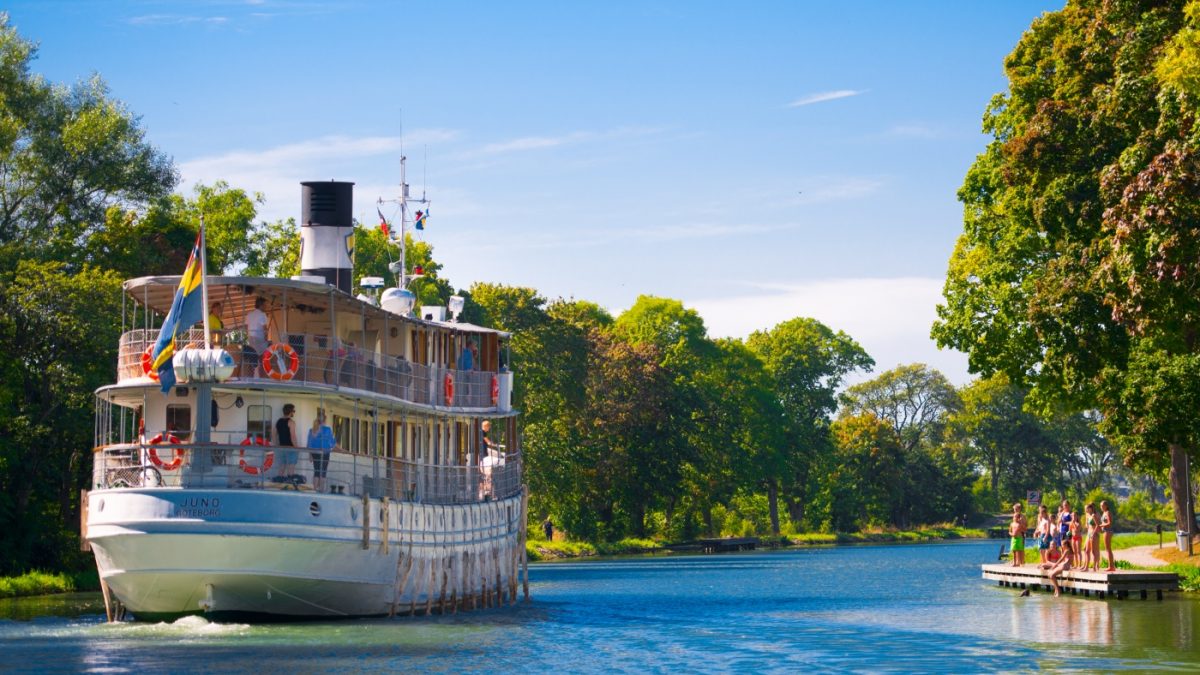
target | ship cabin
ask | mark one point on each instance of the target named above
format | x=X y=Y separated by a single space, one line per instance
x=419 y=406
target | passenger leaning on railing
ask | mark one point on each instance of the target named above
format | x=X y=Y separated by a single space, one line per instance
x=285 y=434
x=320 y=438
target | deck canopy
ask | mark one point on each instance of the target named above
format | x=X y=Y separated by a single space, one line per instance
x=237 y=296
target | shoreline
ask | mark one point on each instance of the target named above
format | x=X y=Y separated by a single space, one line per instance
x=542 y=551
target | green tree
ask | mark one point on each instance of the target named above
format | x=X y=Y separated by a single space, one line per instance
x=274 y=250
x=807 y=362
x=1076 y=269
x=60 y=330
x=1017 y=451
x=860 y=483
x=66 y=156
x=913 y=399
x=159 y=239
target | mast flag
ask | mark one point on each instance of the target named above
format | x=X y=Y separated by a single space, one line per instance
x=420 y=219
x=383 y=223
x=187 y=310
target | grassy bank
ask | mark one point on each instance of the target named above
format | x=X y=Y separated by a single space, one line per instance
x=42 y=583
x=552 y=550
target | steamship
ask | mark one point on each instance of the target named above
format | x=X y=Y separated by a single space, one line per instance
x=200 y=505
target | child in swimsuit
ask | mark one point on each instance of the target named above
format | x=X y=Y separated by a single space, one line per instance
x=1106 y=527
x=1091 y=547
x=1044 y=527
x=1016 y=530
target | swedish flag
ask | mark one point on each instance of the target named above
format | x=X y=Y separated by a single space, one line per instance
x=186 y=310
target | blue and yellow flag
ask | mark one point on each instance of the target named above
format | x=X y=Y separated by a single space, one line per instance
x=420 y=219
x=186 y=310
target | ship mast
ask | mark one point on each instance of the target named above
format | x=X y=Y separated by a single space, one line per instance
x=402 y=274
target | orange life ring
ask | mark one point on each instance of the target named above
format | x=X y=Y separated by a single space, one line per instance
x=448 y=385
x=179 y=453
x=250 y=468
x=148 y=364
x=495 y=390
x=268 y=361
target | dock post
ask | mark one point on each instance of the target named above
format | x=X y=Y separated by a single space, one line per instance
x=1143 y=594
x=1158 y=593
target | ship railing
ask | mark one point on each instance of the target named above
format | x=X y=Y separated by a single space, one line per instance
x=323 y=360
x=216 y=466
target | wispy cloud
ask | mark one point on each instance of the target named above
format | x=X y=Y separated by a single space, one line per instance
x=825 y=96
x=176 y=20
x=889 y=317
x=527 y=143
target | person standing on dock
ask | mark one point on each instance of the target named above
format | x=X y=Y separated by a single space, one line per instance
x=1043 y=530
x=1066 y=525
x=1106 y=527
x=1091 y=547
x=1016 y=530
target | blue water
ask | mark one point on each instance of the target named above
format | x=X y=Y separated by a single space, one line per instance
x=861 y=608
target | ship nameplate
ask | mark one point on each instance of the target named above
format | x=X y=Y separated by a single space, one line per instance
x=198 y=507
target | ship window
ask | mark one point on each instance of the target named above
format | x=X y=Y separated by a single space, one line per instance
x=179 y=420
x=341 y=431
x=258 y=421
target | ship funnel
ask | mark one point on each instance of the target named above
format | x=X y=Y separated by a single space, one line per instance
x=327 y=232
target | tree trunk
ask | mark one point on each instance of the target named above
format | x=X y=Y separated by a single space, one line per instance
x=773 y=502
x=1179 y=488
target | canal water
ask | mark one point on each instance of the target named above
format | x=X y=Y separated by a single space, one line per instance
x=857 y=608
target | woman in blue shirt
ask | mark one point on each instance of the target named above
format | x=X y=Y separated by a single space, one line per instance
x=320 y=437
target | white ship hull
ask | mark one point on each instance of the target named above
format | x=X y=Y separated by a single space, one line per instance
x=167 y=552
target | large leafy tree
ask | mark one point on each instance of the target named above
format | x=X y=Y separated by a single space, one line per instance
x=1077 y=268
x=67 y=154
x=807 y=362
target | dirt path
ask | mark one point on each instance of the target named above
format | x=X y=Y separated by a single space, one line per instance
x=1142 y=556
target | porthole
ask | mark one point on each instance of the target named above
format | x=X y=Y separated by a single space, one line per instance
x=315 y=509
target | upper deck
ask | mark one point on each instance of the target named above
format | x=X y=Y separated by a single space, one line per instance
x=337 y=341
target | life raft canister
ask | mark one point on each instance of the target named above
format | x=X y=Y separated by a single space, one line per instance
x=148 y=364
x=170 y=440
x=495 y=390
x=285 y=354
x=448 y=385
x=250 y=468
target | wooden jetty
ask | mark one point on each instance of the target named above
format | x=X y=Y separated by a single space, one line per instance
x=1120 y=583
x=716 y=545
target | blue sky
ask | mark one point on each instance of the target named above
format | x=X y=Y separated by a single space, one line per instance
x=758 y=161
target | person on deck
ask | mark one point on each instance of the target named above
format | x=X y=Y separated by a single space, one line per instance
x=285 y=436
x=1016 y=530
x=321 y=439
x=256 y=332
x=214 y=322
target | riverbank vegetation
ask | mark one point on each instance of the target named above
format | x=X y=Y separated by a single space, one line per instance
x=43 y=583
x=639 y=425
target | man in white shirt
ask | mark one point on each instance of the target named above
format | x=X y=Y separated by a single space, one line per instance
x=256 y=326
x=256 y=332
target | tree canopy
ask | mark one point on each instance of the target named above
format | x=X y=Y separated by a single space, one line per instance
x=1077 y=268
